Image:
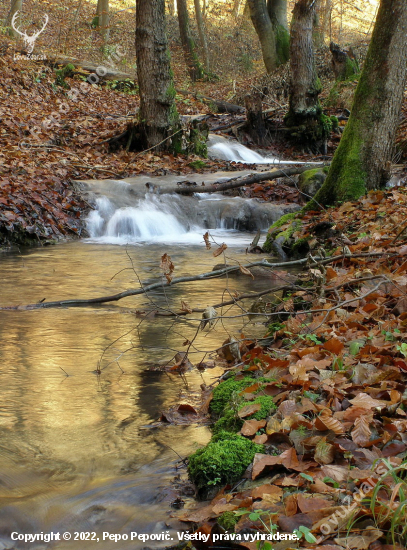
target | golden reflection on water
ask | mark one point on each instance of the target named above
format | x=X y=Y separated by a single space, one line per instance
x=63 y=448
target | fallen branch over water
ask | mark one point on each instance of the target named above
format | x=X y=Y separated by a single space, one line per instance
x=190 y=188
x=178 y=280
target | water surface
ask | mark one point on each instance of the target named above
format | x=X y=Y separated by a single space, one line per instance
x=75 y=453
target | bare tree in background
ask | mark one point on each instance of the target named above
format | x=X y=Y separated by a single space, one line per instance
x=103 y=15
x=202 y=33
x=191 y=57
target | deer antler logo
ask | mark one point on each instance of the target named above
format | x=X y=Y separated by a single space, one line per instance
x=29 y=41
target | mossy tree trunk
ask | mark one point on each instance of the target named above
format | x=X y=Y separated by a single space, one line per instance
x=305 y=118
x=277 y=10
x=191 y=57
x=16 y=5
x=158 y=114
x=362 y=160
x=270 y=23
x=202 y=34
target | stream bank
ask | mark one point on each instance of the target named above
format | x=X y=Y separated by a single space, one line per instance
x=316 y=404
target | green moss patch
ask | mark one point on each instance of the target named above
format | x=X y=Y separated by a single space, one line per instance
x=267 y=406
x=228 y=520
x=223 y=460
x=222 y=394
x=228 y=422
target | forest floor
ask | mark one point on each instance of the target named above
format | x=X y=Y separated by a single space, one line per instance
x=310 y=428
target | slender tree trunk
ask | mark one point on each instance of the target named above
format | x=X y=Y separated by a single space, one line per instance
x=158 y=115
x=16 y=5
x=202 y=34
x=77 y=12
x=362 y=160
x=305 y=114
x=204 y=6
x=264 y=29
x=103 y=15
x=325 y=19
x=188 y=44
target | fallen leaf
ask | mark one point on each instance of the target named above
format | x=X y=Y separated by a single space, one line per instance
x=268 y=492
x=364 y=401
x=362 y=541
x=324 y=452
x=251 y=427
x=334 y=346
x=246 y=271
x=248 y=410
x=206 y=239
x=361 y=433
x=219 y=250
x=309 y=503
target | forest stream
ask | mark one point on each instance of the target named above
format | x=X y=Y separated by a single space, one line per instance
x=78 y=449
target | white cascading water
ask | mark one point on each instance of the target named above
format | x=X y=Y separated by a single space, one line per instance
x=147 y=220
x=122 y=217
x=224 y=149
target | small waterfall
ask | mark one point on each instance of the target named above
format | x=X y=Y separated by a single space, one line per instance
x=148 y=220
x=177 y=219
x=125 y=213
x=224 y=149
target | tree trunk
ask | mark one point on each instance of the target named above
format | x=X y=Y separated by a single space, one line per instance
x=277 y=10
x=265 y=31
x=255 y=125
x=16 y=5
x=202 y=33
x=305 y=116
x=345 y=64
x=325 y=19
x=103 y=15
x=188 y=44
x=205 y=2
x=158 y=115
x=362 y=160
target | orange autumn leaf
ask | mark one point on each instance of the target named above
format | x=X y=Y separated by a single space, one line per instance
x=334 y=346
x=219 y=250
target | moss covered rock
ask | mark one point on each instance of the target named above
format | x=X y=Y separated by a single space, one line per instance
x=223 y=460
x=311 y=181
x=280 y=236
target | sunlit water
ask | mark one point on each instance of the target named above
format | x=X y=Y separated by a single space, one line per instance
x=68 y=461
